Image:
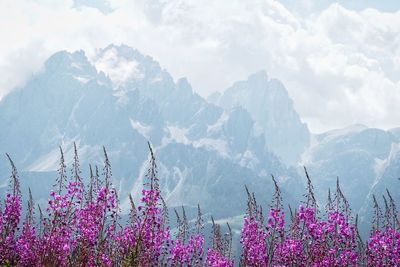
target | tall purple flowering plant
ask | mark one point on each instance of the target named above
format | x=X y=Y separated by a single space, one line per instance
x=81 y=226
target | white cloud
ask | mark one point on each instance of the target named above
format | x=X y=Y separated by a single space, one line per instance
x=119 y=69
x=340 y=66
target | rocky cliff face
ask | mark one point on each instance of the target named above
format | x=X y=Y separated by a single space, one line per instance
x=272 y=110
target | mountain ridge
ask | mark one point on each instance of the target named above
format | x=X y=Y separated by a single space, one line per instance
x=71 y=100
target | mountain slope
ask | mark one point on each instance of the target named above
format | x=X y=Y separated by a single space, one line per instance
x=269 y=105
x=356 y=154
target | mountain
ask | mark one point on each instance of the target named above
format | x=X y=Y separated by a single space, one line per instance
x=207 y=150
x=363 y=158
x=396 y=132
x=387 y=178
x=146 y=75
x=121 y=99
x=271 y=108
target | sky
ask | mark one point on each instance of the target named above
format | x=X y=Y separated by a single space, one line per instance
x=339 y=60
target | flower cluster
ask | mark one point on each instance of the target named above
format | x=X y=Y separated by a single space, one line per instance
x=312 y=240
x=383 y=248
x=216 y=259
x=81 y=226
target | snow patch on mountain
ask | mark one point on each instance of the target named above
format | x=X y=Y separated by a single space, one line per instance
x=177 y=197
x=218 y=125
x=83 y=80
x=141 y=128
x=217 y=145
x=177 y=134
x=247 y=159
x=51 y=161
x=379 y=166
x=136 y=190
x=48 y=162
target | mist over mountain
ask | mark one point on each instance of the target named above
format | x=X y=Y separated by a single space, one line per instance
x=207 y=149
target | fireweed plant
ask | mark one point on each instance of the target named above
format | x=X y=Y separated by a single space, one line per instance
x=81 y=226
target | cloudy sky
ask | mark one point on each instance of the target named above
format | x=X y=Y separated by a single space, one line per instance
x=340 y=61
